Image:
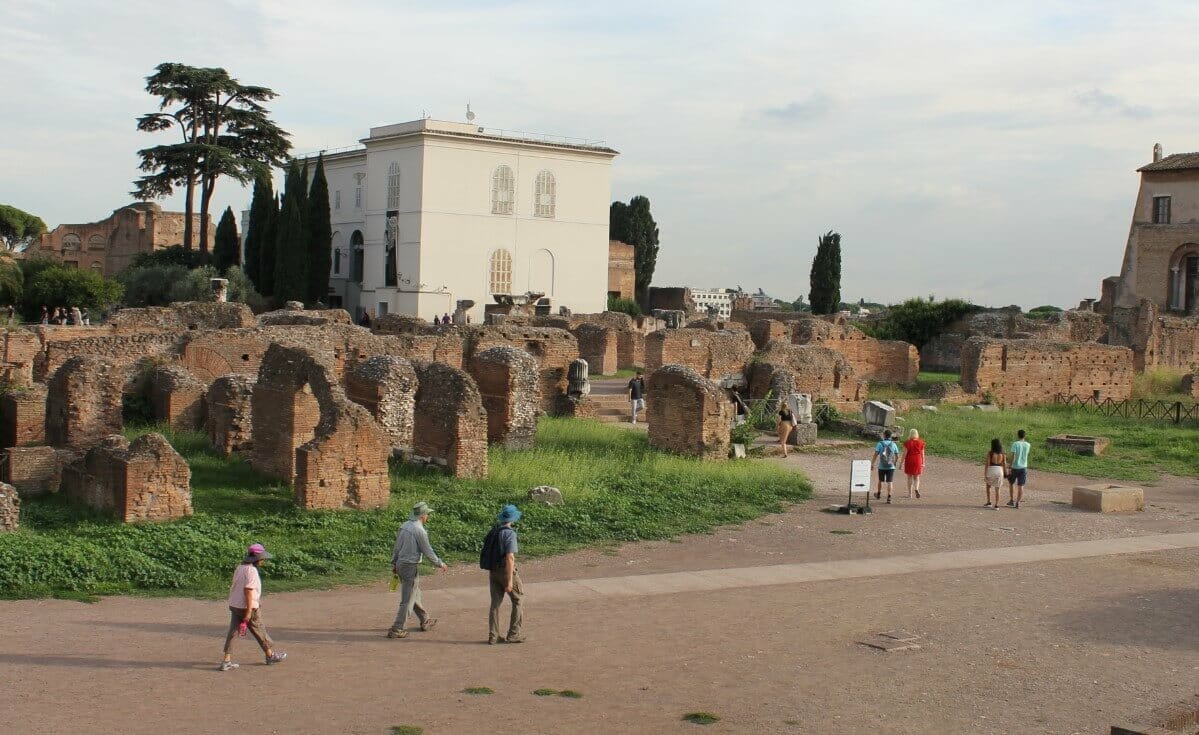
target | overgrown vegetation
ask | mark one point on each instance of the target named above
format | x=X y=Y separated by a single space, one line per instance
x=924 y=381
x=701 y=718
x=52 y=284
x=624 y=306
x=918 y=321
x=1160 y=383
x=1043 y=312
x=824 y=414
x=616 y=488
x=759 y=418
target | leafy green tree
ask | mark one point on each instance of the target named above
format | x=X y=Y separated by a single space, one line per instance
x=12 y=282
x=60 y=285
x=225 y=132
x=262 y=201
x=18 y=228
x=320 y=236
x=624 y=306
x=225 y=250
x=174 y=255
x=919 y=321
x=633 y=223
x=291 y=241
x=618 y=222
x=824 y=290
x=151 y=284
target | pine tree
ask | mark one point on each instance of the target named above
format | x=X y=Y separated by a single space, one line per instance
x=260 y=205
x=824 y=292
x=291 y=241
x=320 y=236
x=266 y=249
x=225 y=250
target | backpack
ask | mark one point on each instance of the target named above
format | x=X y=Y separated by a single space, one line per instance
x=490 y=556
x=888 y=455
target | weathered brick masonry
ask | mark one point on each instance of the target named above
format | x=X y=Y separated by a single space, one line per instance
x=599 y=346
x=688 y=414
x=451 y=425
x=1023 y=372
x=825 y=374
x=23 y=416
x=883 y=361
x=386 y=387
x=34 y=470
x=554 y=350
x=228 y=413
x=143 y=481
x=714 y=355
x=177 y=398
x=508 y=383
x=10 y=509
x=84 y=400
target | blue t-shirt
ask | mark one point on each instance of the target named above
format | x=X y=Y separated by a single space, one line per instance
x=500 y=541
x=885 y=462
x=1020 y=455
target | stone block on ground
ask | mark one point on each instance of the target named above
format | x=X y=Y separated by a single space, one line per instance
x=546 y=495
x=1107 y=498
x=877 y=413
x=10 y=508
x=804 y=434
x=1089 y=446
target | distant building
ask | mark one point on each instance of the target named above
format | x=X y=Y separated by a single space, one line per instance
x=719 y=299
x=109 y=246
x=427 y=213
x=622 y=274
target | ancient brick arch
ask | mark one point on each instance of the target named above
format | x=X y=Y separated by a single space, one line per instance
x=210 y=354
x=309 y=433
x=688 y=414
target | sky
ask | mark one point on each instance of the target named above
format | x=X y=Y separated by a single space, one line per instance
x=974 y=150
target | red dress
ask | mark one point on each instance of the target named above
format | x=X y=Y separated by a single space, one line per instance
x=913 y=457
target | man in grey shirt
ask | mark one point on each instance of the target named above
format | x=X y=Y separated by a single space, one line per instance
x=412 y=545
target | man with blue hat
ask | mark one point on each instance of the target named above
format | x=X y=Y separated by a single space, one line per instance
x=411 y=546
x=499 y=559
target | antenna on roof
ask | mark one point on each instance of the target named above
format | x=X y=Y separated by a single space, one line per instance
x=470 y=116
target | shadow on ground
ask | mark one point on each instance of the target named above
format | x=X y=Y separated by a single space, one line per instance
x=1162 y=618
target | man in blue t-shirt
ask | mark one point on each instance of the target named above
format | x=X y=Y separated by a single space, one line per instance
x=499 y=559
x=886 y=453
x=1019 y=475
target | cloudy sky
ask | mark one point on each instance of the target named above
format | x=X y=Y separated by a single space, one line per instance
x=962 y=149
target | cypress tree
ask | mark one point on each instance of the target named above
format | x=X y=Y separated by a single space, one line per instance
x=266 y=250
x=643 y=236
x=225 y=249
x=291 y=241
x=320 y=236
x=260 y=205
x=824 y=291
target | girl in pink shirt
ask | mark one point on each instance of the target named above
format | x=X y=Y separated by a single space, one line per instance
x=244 y=595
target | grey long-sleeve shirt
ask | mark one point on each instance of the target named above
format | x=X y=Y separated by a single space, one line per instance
x=412 y=544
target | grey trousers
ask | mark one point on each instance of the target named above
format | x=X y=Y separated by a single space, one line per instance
x=410 y=599
x=499 y=578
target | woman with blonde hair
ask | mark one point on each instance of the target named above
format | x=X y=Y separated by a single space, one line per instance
x=786 y=425
x=913 y=462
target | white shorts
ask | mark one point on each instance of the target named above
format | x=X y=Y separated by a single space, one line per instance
x=994 y=475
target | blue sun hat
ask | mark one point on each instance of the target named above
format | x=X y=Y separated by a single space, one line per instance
x=509 y=514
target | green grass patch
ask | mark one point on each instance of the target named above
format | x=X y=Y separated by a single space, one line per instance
x=841 y=531
x=701 y=718
x=570 y=694
x=406 y=730
x=1140 y=449
x=1160 y=384
x=545 y=692
x=924 y=381
x=616 y=489
x=478 y=690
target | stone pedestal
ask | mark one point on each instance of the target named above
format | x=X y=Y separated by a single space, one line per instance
x=876 y=413
x=1107 y=498
x=1089 y=446
x=804 y=434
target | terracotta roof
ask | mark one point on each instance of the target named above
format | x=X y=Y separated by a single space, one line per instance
x=1174 y=162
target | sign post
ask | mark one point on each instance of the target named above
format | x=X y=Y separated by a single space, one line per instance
x=859 y=482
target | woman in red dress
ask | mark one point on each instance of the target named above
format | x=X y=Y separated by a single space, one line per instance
x=913 y=461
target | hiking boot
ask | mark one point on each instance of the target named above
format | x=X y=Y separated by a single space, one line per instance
x=397 y=633
x=493 y=641
x=428 y=623
x=228 y=666
x=276 y=658
x=513 y=639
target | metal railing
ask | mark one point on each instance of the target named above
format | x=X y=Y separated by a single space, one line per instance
x=1133 y=408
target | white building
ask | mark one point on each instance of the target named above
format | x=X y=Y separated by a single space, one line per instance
x=719 y=298
x=427 y=213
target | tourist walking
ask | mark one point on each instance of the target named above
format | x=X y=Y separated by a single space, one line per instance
x=886 y=453
x=76 y=316
x=994 y=470
x=740 y=410
x=913 y=462
x=45 y=315
x=411 y=546
x=244 y=596
x=1018 y=474
x=9 y=311
x=499 y=559
x=637 y=394
x=785 y=426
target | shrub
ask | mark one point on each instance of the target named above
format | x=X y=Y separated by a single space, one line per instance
x=919 y=321
x=824 y=414
x=12 y=282
x=758 y=418
x=151 y=284
x=1043 y=312
x=1157 y=382
x=61 y=285
x=174 y=255
x=624 y=306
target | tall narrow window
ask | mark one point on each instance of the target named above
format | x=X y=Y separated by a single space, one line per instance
x=502 y=185
x=1161 y=210
x=393 y=186
x=358 y=198
x=337 y=262
x=544 y=195
x=337 y=199
x=501 y=272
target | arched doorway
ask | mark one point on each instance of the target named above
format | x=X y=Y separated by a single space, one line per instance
x=359 y=256
x=1183 y=286
x=541 y=272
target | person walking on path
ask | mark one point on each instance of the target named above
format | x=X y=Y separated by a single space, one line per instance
x=499 y=559
x=886 y=453
x=785 y=426
x=411 y=546
x=1018 y=476
x=244 y=596
x=913 y=462
x=994 y=470
x=637 y=394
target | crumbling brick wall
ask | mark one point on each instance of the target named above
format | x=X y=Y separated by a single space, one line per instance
x=34 y=470
x=451 y=424
x=385 y=386
x=177 y=398
x=1156 y=340
x=688 y=414
x=83 y=403
x=304 y=317
x=228 y=415
x=10 y=508
x=944 y=352
x=823 y=373
x=122 y=349
x=554 y=350
x=1023 y=372
x=599 y=346
x=209 y=354
x=446 y=347
x=23 y=416
x=883 y=361
x=508 y=383
x=183 y=315
x=145 y=480
x=309 y=433
x=765 y=331
x=21 y=348
x=715 y=355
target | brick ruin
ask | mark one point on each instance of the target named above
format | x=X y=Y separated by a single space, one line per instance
x=599 y=346
x=823 y=373
x=83 y=403
x=719 y=355
x=1156 y=339
x=508 y=383
x=554 y=350
x=451 y=424
x=228 y=414
x=688 y=413
x=10 y=508
x=386 y=387
x=145 y=480
x=34 y=470
x=307 y=432
x=23 y=416
x=881 y=361
x=1022 y=372
x=177 y=398
x=944 y=352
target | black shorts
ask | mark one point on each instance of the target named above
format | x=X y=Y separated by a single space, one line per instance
x=886 y=475
x=1018 y=477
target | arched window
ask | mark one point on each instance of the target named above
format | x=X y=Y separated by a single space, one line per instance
x=96 y=242
x=544 y=195
x=97 y=267
x=502 y=186
x=70 y=241
x=393 y=186
x=501 y=272
x=358 y=253
x=336 y=244
x=1182 y=289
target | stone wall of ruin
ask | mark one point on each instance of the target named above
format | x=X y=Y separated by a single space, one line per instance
x=882 y=361
x=451 y=424
x=822 y=372
x=228 y=413
x=10 y=509
x=508 y=383
x=943 y=353
x=385 y=386
x=23 y=416
x=177 y=398
x=209 y=354
x=1024 y=372
x=688 y=414
x=715 y=355
x=34 y=471
x=599 y=346
x=1157 y=340
x=145 y=480
x=84 y=401
x=554 y=350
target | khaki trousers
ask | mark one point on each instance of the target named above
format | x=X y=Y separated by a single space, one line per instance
x=499 y=578
x=255 y=627
x=410 y=597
